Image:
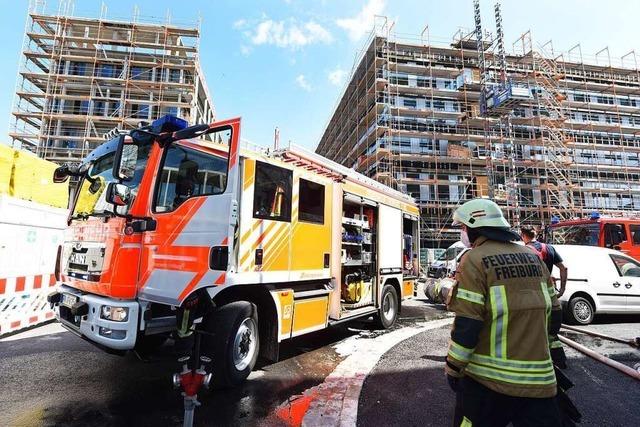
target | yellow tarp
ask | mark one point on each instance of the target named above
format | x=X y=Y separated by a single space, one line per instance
x=32 y=179
x=6 y=167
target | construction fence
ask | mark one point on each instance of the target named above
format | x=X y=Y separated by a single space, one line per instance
x=33 y=217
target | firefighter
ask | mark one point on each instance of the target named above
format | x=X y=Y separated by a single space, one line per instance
x=548 y=253
x=549 y=257
x=498 y=361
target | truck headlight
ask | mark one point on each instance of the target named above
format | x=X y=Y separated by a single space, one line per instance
x=116 y=314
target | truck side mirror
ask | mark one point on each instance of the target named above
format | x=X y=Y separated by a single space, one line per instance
x=125 y=160
x=118 y=194
x=61 y=174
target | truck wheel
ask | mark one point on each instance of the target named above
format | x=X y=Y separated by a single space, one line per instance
x=235 y=342
x=580 y=311
x=389 y=306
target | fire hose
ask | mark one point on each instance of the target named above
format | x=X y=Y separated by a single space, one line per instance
x=632 y=342
x=599 y=357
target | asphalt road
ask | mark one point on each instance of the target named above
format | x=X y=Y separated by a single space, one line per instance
x=59 y=379
x=408 y=386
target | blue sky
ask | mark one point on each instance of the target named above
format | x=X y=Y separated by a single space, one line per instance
x=285 y=62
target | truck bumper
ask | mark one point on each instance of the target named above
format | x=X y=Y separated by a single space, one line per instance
x=85 y=319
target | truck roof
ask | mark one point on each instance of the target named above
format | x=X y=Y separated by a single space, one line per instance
x=595 y=221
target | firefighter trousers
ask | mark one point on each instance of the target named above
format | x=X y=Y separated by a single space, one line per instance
x=479 y=406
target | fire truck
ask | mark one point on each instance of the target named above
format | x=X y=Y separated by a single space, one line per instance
x=177 y=231
x=622 y=234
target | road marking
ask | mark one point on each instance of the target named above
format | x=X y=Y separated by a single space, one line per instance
x=335 y=401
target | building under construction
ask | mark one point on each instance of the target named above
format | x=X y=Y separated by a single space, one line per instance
x=543 y=134
x=81 y=78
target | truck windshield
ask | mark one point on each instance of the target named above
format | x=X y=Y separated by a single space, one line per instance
x=91 y=194
x=579 y=234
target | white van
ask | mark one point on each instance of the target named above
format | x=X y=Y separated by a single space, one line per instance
x=447 y=263
x=600 y=280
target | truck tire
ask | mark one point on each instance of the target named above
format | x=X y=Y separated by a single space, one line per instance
x=389 y=308
x=232 y=341
x=580 y=311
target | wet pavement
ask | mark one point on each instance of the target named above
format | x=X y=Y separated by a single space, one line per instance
x=626 y=327
x=58 y=379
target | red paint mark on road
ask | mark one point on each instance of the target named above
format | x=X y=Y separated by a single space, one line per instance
x=293 y=413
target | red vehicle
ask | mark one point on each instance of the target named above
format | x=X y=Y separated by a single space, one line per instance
x=622 y=234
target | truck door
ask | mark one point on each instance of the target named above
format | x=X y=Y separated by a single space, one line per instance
x=390 y=245
x=194 y=204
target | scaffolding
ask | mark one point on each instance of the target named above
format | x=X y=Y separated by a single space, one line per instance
x=564 y=141
x=80 y=78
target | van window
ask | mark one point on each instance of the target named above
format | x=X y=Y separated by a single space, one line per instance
x=187 y=173
x=311 y=205
x=272 y=195
x=626 y=266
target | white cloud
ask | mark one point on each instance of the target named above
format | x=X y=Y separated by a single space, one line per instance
x=336 y=77
x=362 y=23
x=301 y=81
x=289 y=34
x=239 y=24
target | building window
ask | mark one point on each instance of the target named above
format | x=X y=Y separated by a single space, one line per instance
x=114 y=108
x=78 y=69
x=140 y=73
x=60 y=68
x=311 y=204
x=410 y=103
x=400 y=80
x=99 y=108
x=106 y=70
x=579 y=97
x=174 y=76
x=272 y=194
x=170 y=110
x=140 y=111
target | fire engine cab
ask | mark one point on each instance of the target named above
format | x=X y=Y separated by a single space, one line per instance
x=171 y=235
x=622 y=234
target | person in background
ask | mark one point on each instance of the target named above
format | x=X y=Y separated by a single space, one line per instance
x=547 y=254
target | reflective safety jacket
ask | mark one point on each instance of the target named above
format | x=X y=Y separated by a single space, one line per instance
x=506 y=309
